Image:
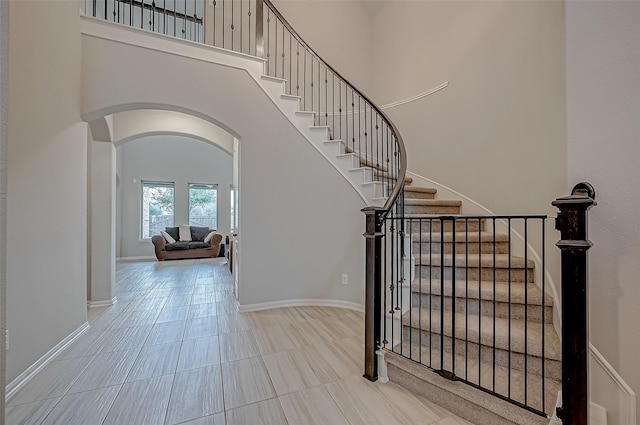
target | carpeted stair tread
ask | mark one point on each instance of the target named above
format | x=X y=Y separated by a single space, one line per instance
x=480 y=329
x=484 y=290
x=416 y=192
x=460 y=237
x=501 y=261
x=433 y=202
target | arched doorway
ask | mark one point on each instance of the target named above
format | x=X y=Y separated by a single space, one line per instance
x=163 y=146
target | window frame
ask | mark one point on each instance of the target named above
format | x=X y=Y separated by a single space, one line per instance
x=154 y=183
x=213 y=186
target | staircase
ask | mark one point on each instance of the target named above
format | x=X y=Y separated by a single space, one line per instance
x=471 y=310
x=491 y=344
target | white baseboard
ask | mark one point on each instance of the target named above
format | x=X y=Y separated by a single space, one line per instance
x=103 y=303
x=620 y=395
x=301 y=303
x=14 y=386
x=140 y=258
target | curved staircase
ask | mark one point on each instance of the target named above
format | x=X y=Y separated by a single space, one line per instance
x=464 y=312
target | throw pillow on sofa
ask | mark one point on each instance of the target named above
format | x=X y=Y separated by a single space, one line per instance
x=199 y=233
x=185 y=233
x=207 y=239
x=167 y=237
x=173 y=232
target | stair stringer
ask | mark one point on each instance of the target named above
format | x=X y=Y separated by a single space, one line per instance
x=319 y=137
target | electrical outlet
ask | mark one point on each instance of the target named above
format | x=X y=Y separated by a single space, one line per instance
x=345 y=279
x=6 y=339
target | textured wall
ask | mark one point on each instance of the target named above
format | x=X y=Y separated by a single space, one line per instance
x=4 y=83
x=603 y=104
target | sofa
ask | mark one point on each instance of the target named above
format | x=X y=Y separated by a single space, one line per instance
x=180 y=242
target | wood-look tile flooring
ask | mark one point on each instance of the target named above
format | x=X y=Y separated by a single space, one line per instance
x=175 y=350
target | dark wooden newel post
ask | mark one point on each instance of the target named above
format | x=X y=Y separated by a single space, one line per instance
x=572 y=224
x=373 y=287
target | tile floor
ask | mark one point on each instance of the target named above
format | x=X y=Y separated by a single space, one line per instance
x=175 y=350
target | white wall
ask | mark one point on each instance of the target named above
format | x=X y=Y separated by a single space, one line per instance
x=497 y=132
x=102 y=223
x=603 y=120
x=4 y=87
x=301 y=225
x=168 y=159
x=340 y=32
x=47 y=182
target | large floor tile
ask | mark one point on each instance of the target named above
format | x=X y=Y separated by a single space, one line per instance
x=172 y=314
x=272 y=339
x=217 y=419
x=201 y=327
x=30 y=413
x=134 y=318
x=155 y=360
x=415 y=409
x=329 y=364
x=246 y=382
x=313 y=406
x=202 y=310
x=237 y=346
x=163 y=333
x=199 y=352
x=195 y=393
x=234 y=322
x=363 y=405
x=141 y=402
x=52 y=381
x=105 y=370
x=267 y=412
x=290 y=372
x=87 y=408
x=125 y=339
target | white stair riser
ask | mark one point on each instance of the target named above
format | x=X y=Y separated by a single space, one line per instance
x=273 y=87
x=318 y=134
x=332 y=147
x=347 y=162
x=361 y=175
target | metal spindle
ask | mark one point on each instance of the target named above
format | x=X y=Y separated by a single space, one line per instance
x=494 y=301
x=453 y=297
x=542 y=357
x=526 y=302
x=442 y=265
x=479 y=302
x=466 y=306
x=509 y=309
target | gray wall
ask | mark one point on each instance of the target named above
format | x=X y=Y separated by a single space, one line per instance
x=172 y=159
x=47 y=183
x=603 y=104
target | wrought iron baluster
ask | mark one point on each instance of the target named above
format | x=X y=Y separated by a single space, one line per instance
x=526 y=304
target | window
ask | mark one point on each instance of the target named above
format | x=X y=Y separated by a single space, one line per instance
x=157 y=207
x=203 y=205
